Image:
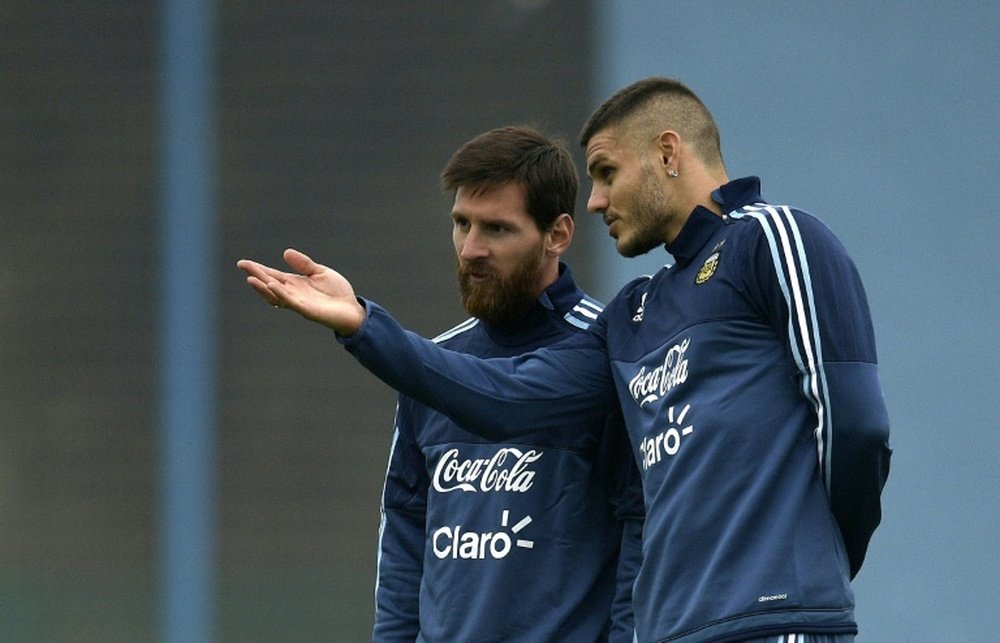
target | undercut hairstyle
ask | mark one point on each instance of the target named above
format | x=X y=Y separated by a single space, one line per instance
x=522 y=155
x=656 y=104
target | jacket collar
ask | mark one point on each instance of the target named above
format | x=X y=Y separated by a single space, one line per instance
x=703 y=223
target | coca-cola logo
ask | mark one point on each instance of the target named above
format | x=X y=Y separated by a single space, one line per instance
x=649 y=385
x=507 y=470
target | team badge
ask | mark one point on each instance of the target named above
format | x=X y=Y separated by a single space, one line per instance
x=708 y=268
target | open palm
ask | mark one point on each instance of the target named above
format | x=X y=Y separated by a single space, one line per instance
x=313 y=290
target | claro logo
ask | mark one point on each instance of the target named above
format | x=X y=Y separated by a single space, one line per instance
x=455 y=542
x=666 y=443
x=508 y=470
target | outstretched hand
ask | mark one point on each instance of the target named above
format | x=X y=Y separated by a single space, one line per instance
x=314 y=291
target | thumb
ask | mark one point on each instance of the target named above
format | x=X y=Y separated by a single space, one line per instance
x=300 y=262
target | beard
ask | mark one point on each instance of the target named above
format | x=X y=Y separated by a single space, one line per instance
x=649 y=215
x=498 y=299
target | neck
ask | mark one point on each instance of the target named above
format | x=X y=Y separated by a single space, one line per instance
x=547 y=276
x=709 y=183
x=699 y=188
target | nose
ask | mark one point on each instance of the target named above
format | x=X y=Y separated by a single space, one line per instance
x=598 y=201
x=470 y=248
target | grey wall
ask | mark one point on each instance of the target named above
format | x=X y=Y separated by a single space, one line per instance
x=880 y=118
x=334 y=120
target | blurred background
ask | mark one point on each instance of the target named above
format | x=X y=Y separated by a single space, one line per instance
x=179 y=462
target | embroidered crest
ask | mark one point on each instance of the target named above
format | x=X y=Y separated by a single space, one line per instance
x=708 y=268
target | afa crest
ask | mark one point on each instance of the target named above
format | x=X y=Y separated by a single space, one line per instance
x=708 y=268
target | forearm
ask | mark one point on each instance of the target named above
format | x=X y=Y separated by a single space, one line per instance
x=629 y=561
x=860 y=453
x=400 y=568
x=495 y=398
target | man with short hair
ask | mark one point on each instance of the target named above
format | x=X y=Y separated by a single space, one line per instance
x=746 y=371
x=516 y=540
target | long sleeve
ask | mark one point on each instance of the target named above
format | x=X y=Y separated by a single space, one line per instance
x=622 y=473
x=401 y=537
x=631 y=514
x=629 y=561
x=859 y=463
x=815 y=298
x=496 y=398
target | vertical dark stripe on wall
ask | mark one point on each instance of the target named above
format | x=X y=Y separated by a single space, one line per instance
x=187 y=378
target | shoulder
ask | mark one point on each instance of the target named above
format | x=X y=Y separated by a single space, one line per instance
x=782 y=225
x=791 y=253
x=458 y=331
x=584 y=312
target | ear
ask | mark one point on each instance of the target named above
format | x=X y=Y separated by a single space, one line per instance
x=668 y=147
x=559 y=236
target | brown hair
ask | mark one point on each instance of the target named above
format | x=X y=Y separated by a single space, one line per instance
x=660 y=103
x=518 y=154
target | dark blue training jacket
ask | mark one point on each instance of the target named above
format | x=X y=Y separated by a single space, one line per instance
x=748 y=378
x=516 y=540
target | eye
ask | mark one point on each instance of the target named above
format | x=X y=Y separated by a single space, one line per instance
x=461 y=224
x=603 y=173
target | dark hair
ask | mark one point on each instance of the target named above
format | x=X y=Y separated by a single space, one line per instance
x=664 y=103
x=518 y=154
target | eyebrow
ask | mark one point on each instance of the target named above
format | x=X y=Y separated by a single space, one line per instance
x=498 y=220
x=599 y=159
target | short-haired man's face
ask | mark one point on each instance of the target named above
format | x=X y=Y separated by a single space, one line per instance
x=628 y=191
x=500 y=252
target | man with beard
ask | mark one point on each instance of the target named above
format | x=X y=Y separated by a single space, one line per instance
x=517 y=540
x=746 y=372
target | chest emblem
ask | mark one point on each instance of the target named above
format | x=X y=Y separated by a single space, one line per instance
x=707 y=270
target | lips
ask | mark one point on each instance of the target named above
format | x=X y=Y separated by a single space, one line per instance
x=476 y=274
x=610 y=222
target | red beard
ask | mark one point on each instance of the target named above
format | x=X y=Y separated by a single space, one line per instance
x=498 y=300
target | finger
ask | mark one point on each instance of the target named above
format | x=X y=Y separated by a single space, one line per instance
x=301 y=262
x=251 y=267
x=283 y=297
x=263 y=290
x=262 y=272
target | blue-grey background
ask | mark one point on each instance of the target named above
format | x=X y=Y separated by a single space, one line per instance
x=881 y=119
x=326 y=126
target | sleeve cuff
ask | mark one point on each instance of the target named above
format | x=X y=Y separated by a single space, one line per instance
x=348 y=340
